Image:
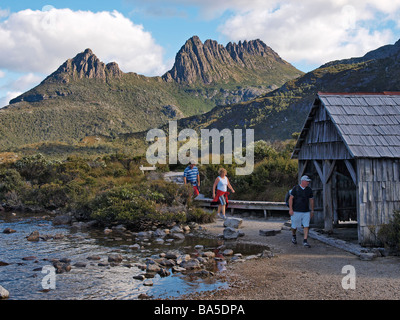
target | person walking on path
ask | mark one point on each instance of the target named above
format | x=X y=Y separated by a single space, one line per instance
x=221 y=196
x=301 y=208
x=191 y=175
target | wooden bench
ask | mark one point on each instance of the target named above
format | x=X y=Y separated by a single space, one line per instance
x=143 y=169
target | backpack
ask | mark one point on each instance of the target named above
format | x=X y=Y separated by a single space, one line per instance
x=287 y=196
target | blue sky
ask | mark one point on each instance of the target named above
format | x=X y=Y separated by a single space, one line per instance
x=143 y=36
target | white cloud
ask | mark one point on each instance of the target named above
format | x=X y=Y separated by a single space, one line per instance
x=9 y=95
x=26 y=82
x=315 y=31
x=309 y=31
x=40 y=41
x=16 y=85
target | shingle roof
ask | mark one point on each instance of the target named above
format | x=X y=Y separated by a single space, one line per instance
x=369 y=124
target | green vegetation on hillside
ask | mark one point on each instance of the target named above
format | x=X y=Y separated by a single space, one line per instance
x=113 y=189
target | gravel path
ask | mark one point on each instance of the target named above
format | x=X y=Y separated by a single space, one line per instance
x=296 y=272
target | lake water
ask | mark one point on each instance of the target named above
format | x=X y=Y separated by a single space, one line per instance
x=24 y=278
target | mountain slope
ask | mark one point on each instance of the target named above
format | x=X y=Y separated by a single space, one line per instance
x=85 y=97
x=278 y=114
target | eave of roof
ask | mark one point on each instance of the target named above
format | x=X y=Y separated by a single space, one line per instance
x=368 y=123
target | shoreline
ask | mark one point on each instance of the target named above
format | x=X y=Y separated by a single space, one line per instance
x=298 y=273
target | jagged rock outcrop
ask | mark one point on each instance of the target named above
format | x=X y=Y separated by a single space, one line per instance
x=212 y=62
x=85 y=65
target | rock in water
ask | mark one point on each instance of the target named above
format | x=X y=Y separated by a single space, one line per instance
x=9 y=230
x=34 y=236
x=115 y=258
x=4 y=294
x=230 y=233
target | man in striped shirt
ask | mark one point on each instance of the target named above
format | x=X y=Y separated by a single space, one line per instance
x=191 y=175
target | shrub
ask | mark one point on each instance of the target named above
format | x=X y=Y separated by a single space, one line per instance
x=121 y=204
x=200 y=216
x=37 y=169
x=52 y=195
x=389 y=234
x=10 y=181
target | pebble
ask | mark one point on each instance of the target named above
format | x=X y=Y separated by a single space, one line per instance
x=148 y=283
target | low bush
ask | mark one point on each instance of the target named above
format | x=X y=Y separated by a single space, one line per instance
x=389 y=234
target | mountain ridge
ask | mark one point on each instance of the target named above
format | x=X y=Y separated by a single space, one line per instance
x=211 y=62
x=278 y=114
x=86 y=97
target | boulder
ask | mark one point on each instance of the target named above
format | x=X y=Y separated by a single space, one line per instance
x=153 y=268
x=176 y=229
x=267 y=254
x=107 y=231
x=230 y=234
x=34 y=236
x=4 y=294
x=9 y=230
x=367 y=256
x=176 y=269
x=80 y=265
x=159 y=233
x=182 y=258
x=115 y=257
x=62 y=219
x=159 y=241
x=136 y=246
x=61 y=267
x=94 y=257
x=208 y=254
x=233 y=223
x=178 y=236
x=172 y=255
x=148 y=283
x=191 y=264
x=269 y=232
x=30 y=258
x=164 y=272
x=227 y=252
x=202 y=274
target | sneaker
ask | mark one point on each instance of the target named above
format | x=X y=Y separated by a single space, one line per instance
x=219 y=215
x=294 y=241
x=305 y=244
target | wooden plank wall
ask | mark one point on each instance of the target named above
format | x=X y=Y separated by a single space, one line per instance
x=323 y=140
x=378 y=194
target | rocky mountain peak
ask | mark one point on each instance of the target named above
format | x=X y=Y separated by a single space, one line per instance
x=211 y=62
x=84 y=65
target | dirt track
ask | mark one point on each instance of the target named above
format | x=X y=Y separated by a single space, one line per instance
x=296 y=272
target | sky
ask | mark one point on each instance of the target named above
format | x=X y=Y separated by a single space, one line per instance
x=143 y=36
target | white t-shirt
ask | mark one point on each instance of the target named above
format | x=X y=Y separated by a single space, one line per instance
x=223 y=184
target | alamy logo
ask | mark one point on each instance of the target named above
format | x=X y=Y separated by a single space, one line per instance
x=188 y=140
x=349 y=281
x=49 y=280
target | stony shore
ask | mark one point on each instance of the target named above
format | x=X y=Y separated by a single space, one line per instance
x=295 y=272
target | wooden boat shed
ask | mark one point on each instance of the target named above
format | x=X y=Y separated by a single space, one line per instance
x=350 y=148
